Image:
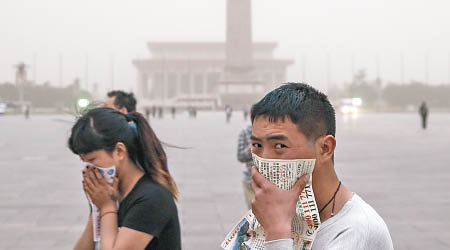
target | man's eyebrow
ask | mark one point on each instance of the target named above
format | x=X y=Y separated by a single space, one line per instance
x=277 y=138
x=252 y=137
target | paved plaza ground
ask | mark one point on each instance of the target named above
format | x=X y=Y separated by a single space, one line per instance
x=400 y=169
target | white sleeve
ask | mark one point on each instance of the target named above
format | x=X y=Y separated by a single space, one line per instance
x=283 y=244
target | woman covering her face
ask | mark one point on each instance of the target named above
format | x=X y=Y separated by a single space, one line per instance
x=146 y=216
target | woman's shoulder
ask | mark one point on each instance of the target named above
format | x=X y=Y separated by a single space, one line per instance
x=148 y=189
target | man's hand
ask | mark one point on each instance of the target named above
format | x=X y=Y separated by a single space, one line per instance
x=274 y=207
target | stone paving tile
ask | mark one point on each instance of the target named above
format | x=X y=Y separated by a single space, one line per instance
x=401 y=170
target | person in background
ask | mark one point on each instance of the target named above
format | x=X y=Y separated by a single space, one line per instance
x=173 y=110
x=121 y=101
x=244 y=155
x=160 y=112
x=423 y=111
x=27 y=111
x=228 y=113
x=245 y=113
x=154 y=111
x=147 y=113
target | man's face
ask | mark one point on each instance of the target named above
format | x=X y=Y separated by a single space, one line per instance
x=280 y=140
x=109 y=103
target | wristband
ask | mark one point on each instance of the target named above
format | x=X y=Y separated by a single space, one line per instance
x=109 y=212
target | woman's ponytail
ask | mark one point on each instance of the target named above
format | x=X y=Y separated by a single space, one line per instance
x=150 y=153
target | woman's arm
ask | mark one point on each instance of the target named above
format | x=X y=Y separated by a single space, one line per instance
x=109 y=228
x=101 y=194
x=127 y=238
x=111 y=238
x=86 y=242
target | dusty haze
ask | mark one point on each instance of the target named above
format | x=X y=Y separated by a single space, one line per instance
x=92 y=37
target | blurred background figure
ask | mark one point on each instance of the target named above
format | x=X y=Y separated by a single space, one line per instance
x=153 y=111
x=173 y=110
x=228 y=112
x=27 y=111
x=423 y=111
x=147 y=113
x=245 y=112
x=244 y=155
x=194 y=112
x=160 y=112
x=121 y=101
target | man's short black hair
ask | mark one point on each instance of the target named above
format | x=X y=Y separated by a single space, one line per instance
x=307 y=107
x=123 y=99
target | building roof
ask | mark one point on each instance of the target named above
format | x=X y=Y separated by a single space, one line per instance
x=154 y=46
x=165 y=64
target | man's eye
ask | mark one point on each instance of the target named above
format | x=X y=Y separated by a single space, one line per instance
x=279 y=146
x=256 y=145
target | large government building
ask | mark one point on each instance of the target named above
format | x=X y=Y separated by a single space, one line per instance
x=211 y=75
x=192 y=73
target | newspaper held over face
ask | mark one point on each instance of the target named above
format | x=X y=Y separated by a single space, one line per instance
x=107 y=173
x=249 y=234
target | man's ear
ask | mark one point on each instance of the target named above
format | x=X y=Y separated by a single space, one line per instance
x=325 y=147
x=120 y=152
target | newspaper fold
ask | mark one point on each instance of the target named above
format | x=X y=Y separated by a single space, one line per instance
x=249 y=234
x=107 y=173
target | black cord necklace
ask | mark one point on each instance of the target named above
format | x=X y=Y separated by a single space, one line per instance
x=333 y=199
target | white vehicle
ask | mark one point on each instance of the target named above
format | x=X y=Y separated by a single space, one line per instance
x=349 y=105
x=2 y=108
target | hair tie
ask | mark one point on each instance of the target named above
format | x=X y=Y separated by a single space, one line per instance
x=133 y=127
x=131 y=123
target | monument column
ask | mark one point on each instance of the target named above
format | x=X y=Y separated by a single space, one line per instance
x=239 y=76
x=239 y=48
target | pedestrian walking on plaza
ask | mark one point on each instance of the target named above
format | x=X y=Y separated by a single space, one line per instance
x=245 y=112
x=143 y=187
x=423 y=111
x=147 y=113
x=121 y=101
x=189 y=111
x=228 y=112
x=160 y=112
x=194 y=112
x=154 y=111
x=173 y=110
x=244 y=155
x=27 y=112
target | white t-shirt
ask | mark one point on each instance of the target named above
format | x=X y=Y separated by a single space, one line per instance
x=357 y=226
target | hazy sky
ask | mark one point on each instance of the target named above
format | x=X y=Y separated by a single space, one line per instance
x=105 y=30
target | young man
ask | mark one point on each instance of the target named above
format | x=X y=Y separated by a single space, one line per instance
x=121 y=101
x=295 y=121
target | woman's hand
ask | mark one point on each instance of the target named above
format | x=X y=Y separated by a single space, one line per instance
x=102 y=194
